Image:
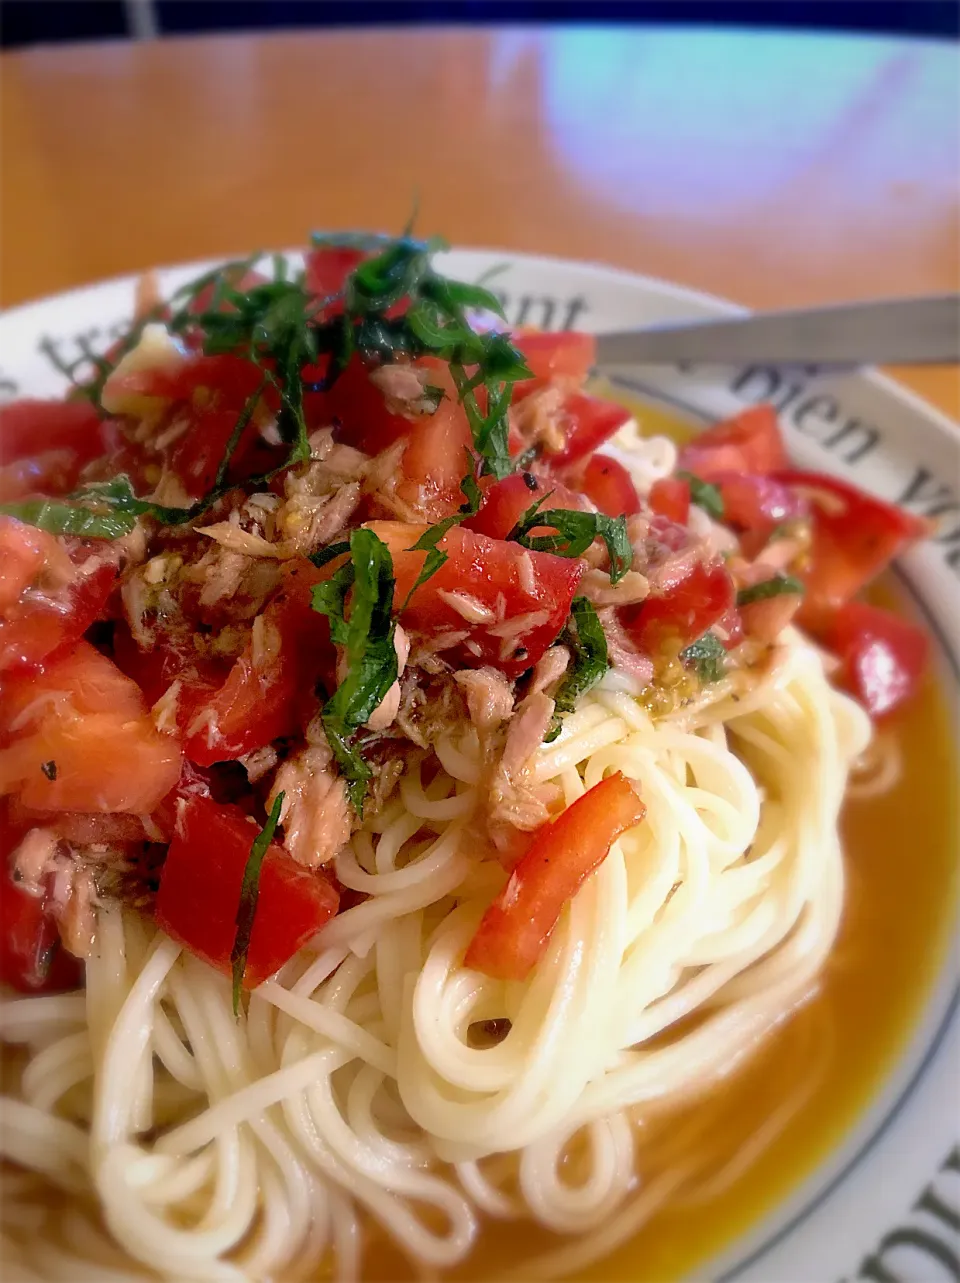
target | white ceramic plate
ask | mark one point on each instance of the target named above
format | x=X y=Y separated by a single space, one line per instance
x=886 y=1206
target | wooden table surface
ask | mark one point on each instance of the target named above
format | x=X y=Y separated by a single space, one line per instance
x=775 y=169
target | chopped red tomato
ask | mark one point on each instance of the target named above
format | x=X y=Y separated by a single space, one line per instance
x=221 y=711
x=156 y=669
x=225 y=379
x=498 y=603
x=200 y=892
x=256 y=704
x=766 y=619
x=854 y=538
x=748 y=442
x=729 y=628
x=506 y=501
x=295 y=618
x=82 y=680
x=24 y=552
x=439 y=452
x=49 y=472
x=755 y=505
x=610 y=486
x=44 y=445
x=563 y=356
x=214 y=390
x=218 y=388
x=84 y=828
x=882 y=656
x=124 y=457
x=438 y=447
x=682 y=609
x=82 y=740
x=39 y=625
x=327 y=268
x=670 y=497
x=586 y=422
x=97 y=762
x=514 y=931
x=32 y=959
x=359 y=410
x=226 y=711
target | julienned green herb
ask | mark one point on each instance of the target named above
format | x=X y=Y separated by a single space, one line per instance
x=249 y=895
x=434 y=324
x=369 y=657
x=367 y=633
x=332 y=551
x=707 y=657
x=576 y=531
x=271 y=324
x=775 y=587
x=277 y=325
x=57 y=517
x=109 y=509
x=587 y=641
x=704 y=495
x=88 y=359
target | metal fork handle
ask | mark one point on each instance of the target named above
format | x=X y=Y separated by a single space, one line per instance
x=909 y=331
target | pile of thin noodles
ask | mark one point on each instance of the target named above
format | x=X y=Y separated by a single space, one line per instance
x=366 y=1091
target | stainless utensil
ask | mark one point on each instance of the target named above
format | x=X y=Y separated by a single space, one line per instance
x=908 y=331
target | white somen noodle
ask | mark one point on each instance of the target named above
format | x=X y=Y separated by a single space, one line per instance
x=191 y=1145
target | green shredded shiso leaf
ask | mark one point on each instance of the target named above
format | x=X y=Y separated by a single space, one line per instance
x=704 y=495
x=278 y=326
x=576 y=531
x=775 y=587
x=707 y=657
x=587 y=641
x=249 y=895
x=366 y=636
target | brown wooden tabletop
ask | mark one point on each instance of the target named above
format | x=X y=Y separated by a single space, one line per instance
x=775 y=169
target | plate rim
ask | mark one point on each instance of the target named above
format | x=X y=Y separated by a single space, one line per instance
x=716 y=303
